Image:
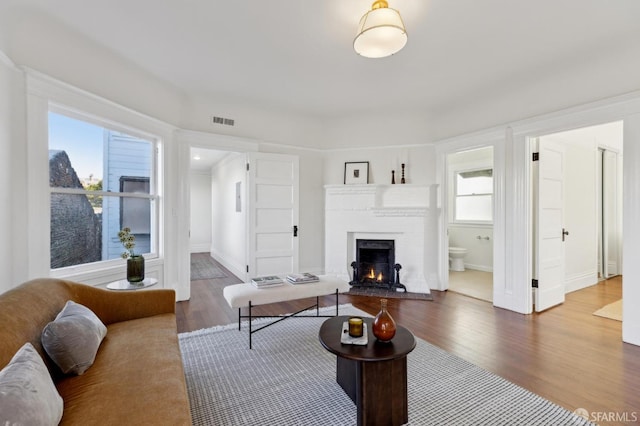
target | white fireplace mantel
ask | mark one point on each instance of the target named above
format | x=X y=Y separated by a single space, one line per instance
x=406 y=214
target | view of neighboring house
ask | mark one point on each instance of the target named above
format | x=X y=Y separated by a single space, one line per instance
x=85 y=225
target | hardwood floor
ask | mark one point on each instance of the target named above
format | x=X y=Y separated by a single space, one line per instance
x=566 y=354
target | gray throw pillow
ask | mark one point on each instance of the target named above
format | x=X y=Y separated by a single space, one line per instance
x=73 y=338
x=27 y=393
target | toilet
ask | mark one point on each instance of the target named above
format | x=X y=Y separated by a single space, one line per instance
x=456 y=256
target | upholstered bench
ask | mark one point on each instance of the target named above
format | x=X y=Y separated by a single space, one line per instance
x=246 y=295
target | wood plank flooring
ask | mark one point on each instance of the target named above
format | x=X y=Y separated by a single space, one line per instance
x=567 y=355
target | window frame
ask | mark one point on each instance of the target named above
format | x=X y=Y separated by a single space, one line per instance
x=153 y=196
x=456 y=172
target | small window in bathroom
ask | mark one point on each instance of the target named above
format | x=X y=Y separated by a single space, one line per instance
x=474 y=196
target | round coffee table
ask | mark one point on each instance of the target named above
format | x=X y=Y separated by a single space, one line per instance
x=374 y=376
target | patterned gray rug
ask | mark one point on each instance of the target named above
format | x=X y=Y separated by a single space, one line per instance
x=203 y=267
x=289 y=379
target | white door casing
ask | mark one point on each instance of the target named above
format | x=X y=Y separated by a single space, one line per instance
x=272 y=206
x=549 y=264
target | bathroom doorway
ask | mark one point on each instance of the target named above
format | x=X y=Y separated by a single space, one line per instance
x=470 y=222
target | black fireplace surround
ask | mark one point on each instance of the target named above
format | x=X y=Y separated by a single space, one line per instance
x=375 y=265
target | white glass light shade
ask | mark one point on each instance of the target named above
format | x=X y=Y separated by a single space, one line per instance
x=381 y=33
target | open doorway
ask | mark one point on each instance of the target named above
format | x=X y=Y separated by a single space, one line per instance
x=577 y=210
x=244 y=210
x=470 y=222
x=210 y=214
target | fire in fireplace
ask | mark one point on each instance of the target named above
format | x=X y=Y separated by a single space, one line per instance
x=375 y=265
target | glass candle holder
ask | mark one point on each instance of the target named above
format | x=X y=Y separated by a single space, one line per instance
x=355 y=327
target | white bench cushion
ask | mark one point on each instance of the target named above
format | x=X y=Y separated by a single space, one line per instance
x=239 y=295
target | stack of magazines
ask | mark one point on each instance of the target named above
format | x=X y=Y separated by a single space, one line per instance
x=268 y=281
x=303 y=278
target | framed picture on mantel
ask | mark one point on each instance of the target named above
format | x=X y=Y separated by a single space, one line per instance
x=355 y=173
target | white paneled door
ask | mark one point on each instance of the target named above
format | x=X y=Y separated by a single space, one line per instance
x=549 y=262
x=272 y=195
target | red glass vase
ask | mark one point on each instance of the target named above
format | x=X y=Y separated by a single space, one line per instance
x=384 y=327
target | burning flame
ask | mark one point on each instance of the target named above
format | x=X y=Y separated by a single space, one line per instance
x=372 y=275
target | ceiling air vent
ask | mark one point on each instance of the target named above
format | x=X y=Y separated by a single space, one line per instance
x=222 y=120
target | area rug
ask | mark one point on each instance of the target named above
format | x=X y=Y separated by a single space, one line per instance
x=612 y=311
x=203 y=267
x=381 y=292
x=288 y=378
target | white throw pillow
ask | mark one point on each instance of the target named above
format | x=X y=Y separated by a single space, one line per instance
x=73 y=338
x=27 y=393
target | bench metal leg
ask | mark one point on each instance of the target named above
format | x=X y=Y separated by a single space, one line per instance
x=250 y=317
x=250 y=331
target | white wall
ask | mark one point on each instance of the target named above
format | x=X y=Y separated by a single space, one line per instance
x=12 y=110
x=63 y=54
x=200 y=215
x=480 y=250
x=264 y=124
x=6 y=80
x=229 y=227
x=385 y=129
x=419 y=164
x=631 y=243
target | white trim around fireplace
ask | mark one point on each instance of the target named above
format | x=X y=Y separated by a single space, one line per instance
x=402 y=213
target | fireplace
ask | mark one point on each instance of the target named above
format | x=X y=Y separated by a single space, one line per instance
x=406 y=214
x=375 y=265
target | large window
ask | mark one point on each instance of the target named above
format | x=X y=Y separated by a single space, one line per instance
x=474 y=196
x=101 y=181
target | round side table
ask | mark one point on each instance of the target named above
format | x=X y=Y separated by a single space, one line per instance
x=126 y=285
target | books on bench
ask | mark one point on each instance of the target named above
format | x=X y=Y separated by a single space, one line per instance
x=267 y=281
x=303 y=278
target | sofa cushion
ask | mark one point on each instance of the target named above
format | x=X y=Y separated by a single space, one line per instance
x=137 y=378
x=73 y=338
x=28 y=395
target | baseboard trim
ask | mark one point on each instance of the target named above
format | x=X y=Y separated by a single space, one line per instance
x=580 y=281
x=200 y=248
x=482 y=268
x=234 y=269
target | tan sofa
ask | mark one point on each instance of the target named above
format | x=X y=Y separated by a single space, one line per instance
x=137 y=377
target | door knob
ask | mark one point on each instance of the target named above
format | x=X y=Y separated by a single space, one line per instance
x=564 y=233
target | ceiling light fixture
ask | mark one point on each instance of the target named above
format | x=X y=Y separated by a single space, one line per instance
x=381 y=32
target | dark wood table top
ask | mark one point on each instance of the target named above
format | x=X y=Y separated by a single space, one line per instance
x=401 y=344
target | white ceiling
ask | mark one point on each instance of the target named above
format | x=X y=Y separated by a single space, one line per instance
x=297 y=55
x=203 y=159
x=472 y=56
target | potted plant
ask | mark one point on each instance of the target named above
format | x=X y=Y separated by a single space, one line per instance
x=135 y=262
